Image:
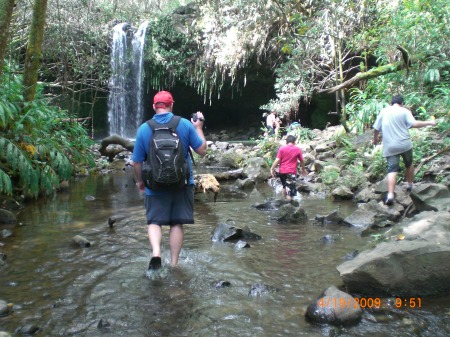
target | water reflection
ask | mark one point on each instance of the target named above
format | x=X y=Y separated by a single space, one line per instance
x=103 y=290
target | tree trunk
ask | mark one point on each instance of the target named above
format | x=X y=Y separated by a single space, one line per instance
x=34 y=50
x=6 y=9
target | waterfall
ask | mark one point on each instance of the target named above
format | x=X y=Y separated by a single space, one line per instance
x=125 y=104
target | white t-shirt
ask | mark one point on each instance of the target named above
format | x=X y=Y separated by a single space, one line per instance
x=394 y=123
x=270 y=121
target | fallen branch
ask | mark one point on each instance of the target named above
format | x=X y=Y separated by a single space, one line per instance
x=445 y=149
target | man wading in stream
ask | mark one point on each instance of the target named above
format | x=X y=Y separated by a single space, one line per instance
x=168 y=207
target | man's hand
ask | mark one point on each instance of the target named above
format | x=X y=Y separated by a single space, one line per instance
x=198 y=124
x=140 y=185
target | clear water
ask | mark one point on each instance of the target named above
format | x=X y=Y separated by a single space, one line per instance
x=67 y=290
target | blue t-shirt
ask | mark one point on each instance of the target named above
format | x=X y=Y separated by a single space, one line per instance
x=186 y=132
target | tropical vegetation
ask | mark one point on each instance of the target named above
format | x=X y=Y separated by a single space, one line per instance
x=359 y=52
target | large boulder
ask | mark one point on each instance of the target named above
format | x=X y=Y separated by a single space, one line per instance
x=431 y=197
x=257 y=169
x=413 y=263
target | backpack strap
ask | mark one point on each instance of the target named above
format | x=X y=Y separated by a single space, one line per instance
x=173 y=124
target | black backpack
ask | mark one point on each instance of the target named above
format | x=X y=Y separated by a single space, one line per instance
x=165 y=167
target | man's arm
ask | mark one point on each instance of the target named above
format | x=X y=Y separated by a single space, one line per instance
x=198 y=125
x=138 y=173
x=376 y=136
x=275 y=164
x=302 y=164
x=421 y=124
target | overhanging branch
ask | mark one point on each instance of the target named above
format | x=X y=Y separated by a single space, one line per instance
x=375 y=72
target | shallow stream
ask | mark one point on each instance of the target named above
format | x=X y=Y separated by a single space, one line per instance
x=103 y=290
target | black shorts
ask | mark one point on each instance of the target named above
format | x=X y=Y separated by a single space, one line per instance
x=171 y=207
x=394 y=161
x=289 y=180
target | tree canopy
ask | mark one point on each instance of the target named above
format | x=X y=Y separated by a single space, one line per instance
x=361 y=51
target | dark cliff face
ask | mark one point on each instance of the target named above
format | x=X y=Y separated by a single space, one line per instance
x=232 y=109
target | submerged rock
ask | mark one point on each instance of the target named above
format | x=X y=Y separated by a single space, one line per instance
x=222 y=284
x=81 y=241
x=227 y=232
x=259 y=289
x=241 y=244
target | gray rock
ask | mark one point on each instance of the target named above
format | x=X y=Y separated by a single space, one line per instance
x=342 y=193
x=7 y=217
x=225 y=232
x=257 y=169
x=229 y=175
x=431 y=197
x=241 y=244
x=414 y=266
x=259 y=289
x=291 y=214
x=5 y=308
x=6 y=233
x=332 y=218
x=328 y=238
x=244 y=184
x=334 y=307
x=28 y=329
x=222 y=284
x=361 y=219
x=81 y=241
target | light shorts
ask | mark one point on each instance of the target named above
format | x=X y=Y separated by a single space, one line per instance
x=394 y=161
x=171 y=207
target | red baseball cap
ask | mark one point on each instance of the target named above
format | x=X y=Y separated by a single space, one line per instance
x=163 y=97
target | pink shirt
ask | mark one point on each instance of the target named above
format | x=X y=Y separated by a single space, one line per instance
x=289 y=155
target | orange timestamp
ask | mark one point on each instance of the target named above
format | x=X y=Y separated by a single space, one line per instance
x=350 y=302
x=410 y=302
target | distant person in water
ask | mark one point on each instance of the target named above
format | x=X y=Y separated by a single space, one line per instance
x=288 y=157
x=394 y=123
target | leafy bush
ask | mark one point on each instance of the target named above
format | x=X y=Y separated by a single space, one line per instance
x=39 y=144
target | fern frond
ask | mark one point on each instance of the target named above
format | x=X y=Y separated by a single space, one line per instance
x=8 y=111
x=21 y=164
x=5 y=183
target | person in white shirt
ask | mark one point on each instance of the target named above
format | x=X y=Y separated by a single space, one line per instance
x=394 y=123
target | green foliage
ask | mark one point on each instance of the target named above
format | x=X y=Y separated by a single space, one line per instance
x=302 y=134
x=349 y=153
x=352 y=177
x=39 y=144
x=363 y=107
x=267 y=147
x=330 y=176
x=170 y=56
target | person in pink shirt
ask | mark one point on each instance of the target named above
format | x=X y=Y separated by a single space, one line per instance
x=288 y=157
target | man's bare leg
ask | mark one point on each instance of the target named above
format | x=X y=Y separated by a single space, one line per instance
x=176 y=237
x=155 y=237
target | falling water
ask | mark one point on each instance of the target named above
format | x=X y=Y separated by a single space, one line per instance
x=125 y=104
x=137 y=67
